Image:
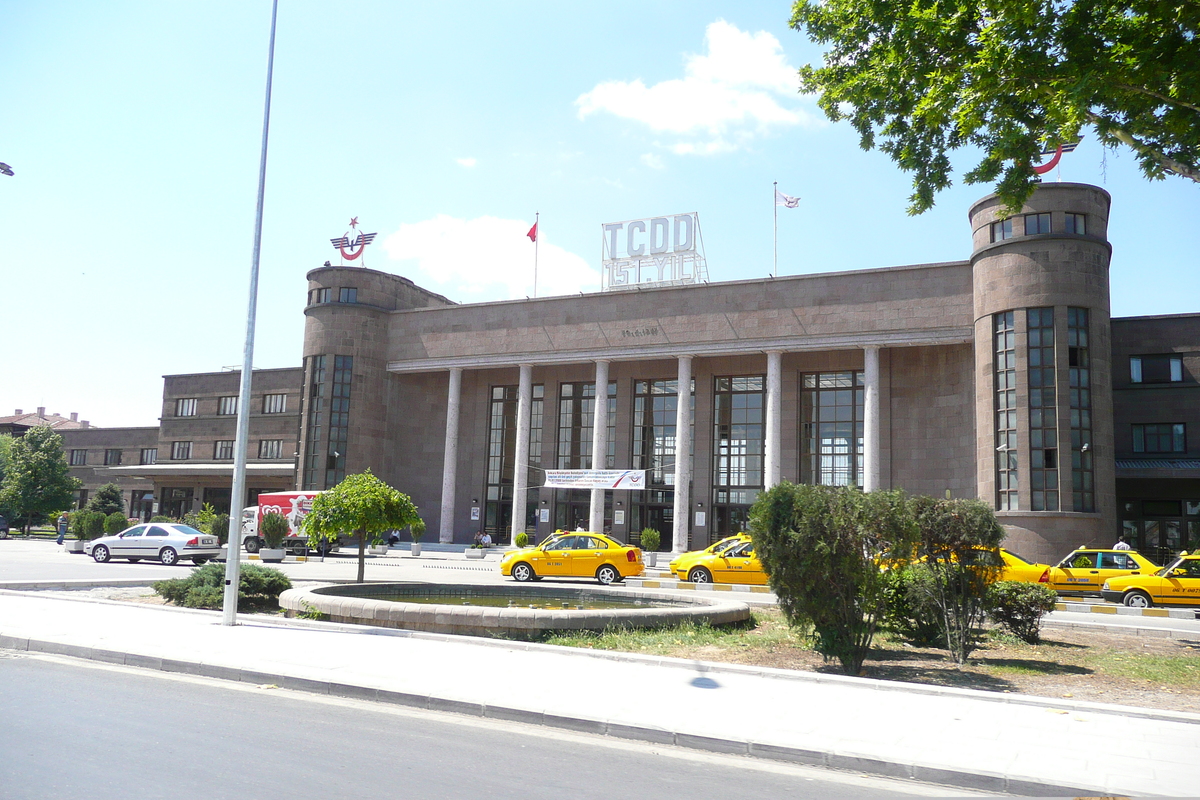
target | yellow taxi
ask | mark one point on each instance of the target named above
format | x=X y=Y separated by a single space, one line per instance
x=1085 y=570
x=1018 y=569
x=1177 y=584
x=574 y=555
x=684 y=561
x=736 y=563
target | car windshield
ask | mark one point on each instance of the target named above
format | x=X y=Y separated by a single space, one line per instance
x=1165 y=571
x=551 y=544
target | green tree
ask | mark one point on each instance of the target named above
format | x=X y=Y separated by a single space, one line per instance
x=36 y=481
x=1011 y=78
x=107 y=500
x=5 y=448
x=820 y=547
x=361 y=504
x=959 y=540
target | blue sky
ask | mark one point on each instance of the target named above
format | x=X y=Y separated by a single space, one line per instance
x=134 y=132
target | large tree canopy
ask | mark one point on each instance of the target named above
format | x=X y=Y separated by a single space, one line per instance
x=1011 y=77
x=36 y=480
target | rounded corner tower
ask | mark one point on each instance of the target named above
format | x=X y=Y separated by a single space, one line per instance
x=346 y=329
x=1043 y=372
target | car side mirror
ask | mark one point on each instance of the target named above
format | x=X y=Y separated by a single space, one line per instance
x=120 y=536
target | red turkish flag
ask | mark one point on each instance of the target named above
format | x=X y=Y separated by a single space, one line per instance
x=532 y=233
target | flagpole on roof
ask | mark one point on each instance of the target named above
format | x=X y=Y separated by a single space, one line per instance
x=775 y=205
x=537 y=234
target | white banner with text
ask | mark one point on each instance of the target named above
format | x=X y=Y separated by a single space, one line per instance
x=596 y=478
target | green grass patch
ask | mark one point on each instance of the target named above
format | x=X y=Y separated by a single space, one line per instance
x=764 y=630
x=1181 y=670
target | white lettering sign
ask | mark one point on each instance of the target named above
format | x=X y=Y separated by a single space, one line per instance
x=659 y=251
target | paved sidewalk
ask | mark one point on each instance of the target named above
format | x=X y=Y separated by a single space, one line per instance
x=993 y=742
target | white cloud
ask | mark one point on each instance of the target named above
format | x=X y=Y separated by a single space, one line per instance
x=486 y=258
x=466 y=162
x=653 y=160
x=742 y=87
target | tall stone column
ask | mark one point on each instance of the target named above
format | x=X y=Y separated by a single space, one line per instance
x=521 y=457
x=772 y=456
x=871 y=471
x=450 y=460
x=683 y=456
x=599 y=443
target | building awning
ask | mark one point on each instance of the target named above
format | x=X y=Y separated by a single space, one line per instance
x=201 y=470
x=1158 y=467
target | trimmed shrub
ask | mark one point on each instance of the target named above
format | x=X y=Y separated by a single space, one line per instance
x=87 y=525
x=273 y=529
x=910 y=612
x=1019 y=607
x=161 y=518
x=115 y=523
x=522 y=539
x=220 y=528
x=651 y=539
x=107 y=500
x=820 y=546
x=417 y=530
x=259 y=588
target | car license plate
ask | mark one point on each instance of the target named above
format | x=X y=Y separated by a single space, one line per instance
x=209 y=541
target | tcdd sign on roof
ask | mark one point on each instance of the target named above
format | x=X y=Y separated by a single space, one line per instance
x=659 y=251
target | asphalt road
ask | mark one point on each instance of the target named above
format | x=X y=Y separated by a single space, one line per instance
x=75 y=729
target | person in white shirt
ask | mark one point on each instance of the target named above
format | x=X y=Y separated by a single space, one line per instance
x=1121 y=544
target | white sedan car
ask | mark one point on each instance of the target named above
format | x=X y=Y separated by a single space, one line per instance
x=162 y=541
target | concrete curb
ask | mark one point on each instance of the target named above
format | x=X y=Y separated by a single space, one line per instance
x=712 y=667
x=79 y=583
x=1122 y=611
x=665 y=583
x=839 y=761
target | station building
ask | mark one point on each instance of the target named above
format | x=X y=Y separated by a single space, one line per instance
x=1001 y=376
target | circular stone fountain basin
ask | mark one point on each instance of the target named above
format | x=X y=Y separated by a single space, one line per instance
x=477 y=610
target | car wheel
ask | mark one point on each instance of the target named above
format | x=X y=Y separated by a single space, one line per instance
x=252 y=545
x=522 y=572
x=199 y=561
x=700 y=575
x=607 y=575
x=168 y=556
x=1136 y=599
x=100 y=553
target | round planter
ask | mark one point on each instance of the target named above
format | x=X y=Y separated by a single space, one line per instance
x=271 y=556
x=73 y=546
x=416 y=548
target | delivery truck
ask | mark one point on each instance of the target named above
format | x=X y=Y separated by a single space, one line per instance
x=292 y=506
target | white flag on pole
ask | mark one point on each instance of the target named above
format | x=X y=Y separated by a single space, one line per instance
x=782 y=199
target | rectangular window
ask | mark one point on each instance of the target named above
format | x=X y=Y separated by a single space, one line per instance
x=1080 y=388
x=274 y=403
x=181 y=451
x=739 y=437
x=185 y=407
x=78 y=458
x=1160 y=438
x=270 y=448
x=1002 y=230
x=1043 y=404
x=319 y=296
x=1037 y=223
x=223 y=449
x=1005 y=375
x=831 y=428
x=501 y=459
x=149 y=455
x=347 y=295
x=1077 y=223
x=1156 y=369
x=112 y=458
x=316 y=407
x=576 y=413
x=227 y=406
